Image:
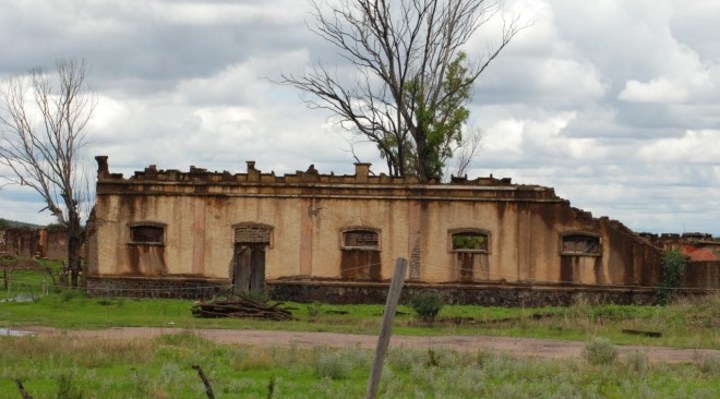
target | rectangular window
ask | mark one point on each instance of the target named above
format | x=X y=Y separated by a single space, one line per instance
x=580 y=244
x=361 y=239
x=144 y=234
x=469 y=241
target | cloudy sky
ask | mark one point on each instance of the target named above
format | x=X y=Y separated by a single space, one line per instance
x=614 y=103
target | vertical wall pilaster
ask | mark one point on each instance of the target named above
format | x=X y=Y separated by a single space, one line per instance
x=198 y=229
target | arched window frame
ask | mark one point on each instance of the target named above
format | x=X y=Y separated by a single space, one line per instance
x=595 y=249
x=134 y=227
x=484 y=249
x=361 y=229
x=262 y=228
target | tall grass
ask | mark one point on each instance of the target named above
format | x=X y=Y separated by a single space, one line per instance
x=161 y=368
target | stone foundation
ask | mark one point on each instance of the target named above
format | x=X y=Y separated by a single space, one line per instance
x=458 y=294
x=346 y=292
x=156 y=287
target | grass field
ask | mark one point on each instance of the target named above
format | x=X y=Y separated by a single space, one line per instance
x=683 y=324
x=162 y=367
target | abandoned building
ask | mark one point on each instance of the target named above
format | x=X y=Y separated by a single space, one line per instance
x=31 y=242
x=309 y=234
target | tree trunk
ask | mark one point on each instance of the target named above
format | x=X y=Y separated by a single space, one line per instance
x=74 y=260
x=76 y=237
x=423 y=161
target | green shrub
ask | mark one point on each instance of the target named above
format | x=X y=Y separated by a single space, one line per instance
x=427 y=305
x=637 y=362
x=333 y=365
x=66 y=388
x=672 y=272
x=710 y=365
x=600 y=352
x=313 y=309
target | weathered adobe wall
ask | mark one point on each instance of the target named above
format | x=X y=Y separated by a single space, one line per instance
x=308 y=212
x=55 y=244
x=702 y=274
x=20 y=242
x=31 y=242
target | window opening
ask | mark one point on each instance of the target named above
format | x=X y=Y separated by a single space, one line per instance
x=361 y=239
x=580 y=244
x=470 y=241
x=147 y=234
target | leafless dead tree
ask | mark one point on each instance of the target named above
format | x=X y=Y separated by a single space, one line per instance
x=465 y=153
x=412 y=79
x=43 y=121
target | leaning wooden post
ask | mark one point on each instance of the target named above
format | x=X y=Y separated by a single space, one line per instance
x=392 y=299
x=208 y=387
x=23 y=392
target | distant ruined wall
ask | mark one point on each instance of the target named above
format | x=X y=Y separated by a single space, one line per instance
x=702 y=275
x=21 y=242
x=56 y=244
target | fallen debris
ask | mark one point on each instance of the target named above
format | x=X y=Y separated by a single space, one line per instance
x=240 y=307
x=653 y=334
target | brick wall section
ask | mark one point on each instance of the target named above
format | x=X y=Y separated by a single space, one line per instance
x=508 y=296
x=179 y=288
x=371 y=293
x=702 y=274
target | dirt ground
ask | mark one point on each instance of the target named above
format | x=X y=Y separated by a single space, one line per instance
x=547 y=349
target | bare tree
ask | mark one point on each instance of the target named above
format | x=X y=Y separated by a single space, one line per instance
x=465 y=153
x=43 y=121
x=412 y=75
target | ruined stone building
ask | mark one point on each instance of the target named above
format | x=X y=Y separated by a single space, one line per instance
x=161 y=229
x=27 y=242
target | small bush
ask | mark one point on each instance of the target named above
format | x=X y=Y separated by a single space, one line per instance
x=427 y=305
x=710 y=365
x=70 y=294
x=66 y=388
x=672 y=272
x=333 y=365
x=637 y=362
x=600 y=352
x=313 y=309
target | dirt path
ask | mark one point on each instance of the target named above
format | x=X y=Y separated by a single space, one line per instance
x=548 y=349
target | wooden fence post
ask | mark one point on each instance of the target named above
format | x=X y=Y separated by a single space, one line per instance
x=386 y=330
x=208 y=387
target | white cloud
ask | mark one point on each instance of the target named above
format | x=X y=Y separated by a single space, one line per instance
x=695 y=146
x=660 y=90
x=616 y=104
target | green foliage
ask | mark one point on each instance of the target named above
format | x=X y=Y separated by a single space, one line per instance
x=600 y=352
x=439 y=117
x=161 y=368
x=468 y=241
x=637 y=362
x=710 y=365
x=313 y=308
x=333 y=365
x=71 y=294
x=672 y=273
x=427 y=305
x=67 y=389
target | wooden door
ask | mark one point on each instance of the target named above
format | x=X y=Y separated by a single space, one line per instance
x=249 y=268
x=360 y=264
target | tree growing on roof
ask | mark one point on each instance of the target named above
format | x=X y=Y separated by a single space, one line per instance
x=413 y=77
x=43 y=121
